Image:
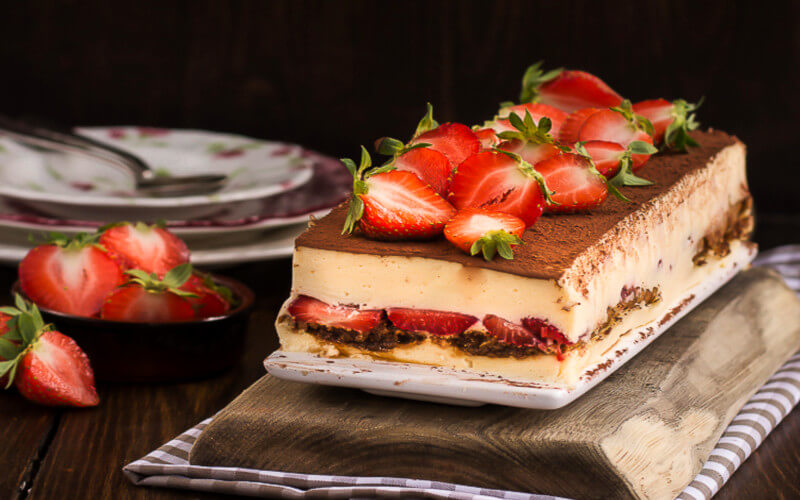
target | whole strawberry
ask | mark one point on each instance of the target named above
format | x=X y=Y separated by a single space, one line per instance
x=391 y=204
x=146 y=298
x=151 y=248
x=71 y=276
x=46 y=366
x=567 y=90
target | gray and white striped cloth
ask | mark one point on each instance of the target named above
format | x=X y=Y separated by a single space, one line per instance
x=169 y=465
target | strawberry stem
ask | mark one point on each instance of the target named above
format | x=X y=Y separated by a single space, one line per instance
x=676 y=137
x=495 y=242
x=25 y=326
x=533 y=78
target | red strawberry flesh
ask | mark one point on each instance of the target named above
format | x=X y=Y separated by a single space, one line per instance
x=511 y=333
x=439 y=323
x=455 y=140
x=573 y=184
x=659 y=112
x=568 y=133
x=151 y=249
x=309 y=310
x=432 y=167
x=471 y=224
x=606 y=156
x=572 y=90
x=537 y=111
x=136 y=304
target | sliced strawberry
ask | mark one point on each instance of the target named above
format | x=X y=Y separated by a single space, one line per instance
x=671 y=121
x=488 y=138
x=432 y=167
x=69 y=276
x=210 y=302
x=439 y=323
x=476 y=230
x=511 y=333
x=316 y=312
x=567 y=90
x=545 y=331
x=496 y=180
x=613 y=126
x=392 y=204
x=146 y=298
x=455 y=140
x=139 y=246
x=537 y=111
x=48 y=367
x=575 y=187
x=606 y=156
x=531 y=152
x=568 y=133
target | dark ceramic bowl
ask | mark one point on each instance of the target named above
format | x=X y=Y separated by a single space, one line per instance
x=122 y=351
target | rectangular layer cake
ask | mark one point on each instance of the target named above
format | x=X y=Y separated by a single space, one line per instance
x=581 y=281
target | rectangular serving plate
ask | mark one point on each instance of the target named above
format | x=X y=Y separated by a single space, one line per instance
x=472 y=388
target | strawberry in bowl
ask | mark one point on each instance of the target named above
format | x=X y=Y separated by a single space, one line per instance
x=131 y=299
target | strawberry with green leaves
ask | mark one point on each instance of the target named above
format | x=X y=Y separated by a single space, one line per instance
x=671 y=121
x=621 y=125
x=211 y=299
x=71 y=276
x=530 y=140
x=46 y=366
x=151 y=248
x=567 y=90
x=487 y=232
x=537 y=111
x=571 y=127
x=146 y=298
x=611 y=159
x=391 y=204
x=502 y=181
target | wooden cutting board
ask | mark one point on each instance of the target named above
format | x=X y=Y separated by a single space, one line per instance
x=643 y=433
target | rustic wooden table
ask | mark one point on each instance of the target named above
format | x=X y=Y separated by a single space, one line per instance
x=53 y=453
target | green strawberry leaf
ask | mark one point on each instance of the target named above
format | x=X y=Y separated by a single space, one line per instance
x=533 y=78
x=178 y=275
x=676 y=136
x=427 y=122
x=8 y=350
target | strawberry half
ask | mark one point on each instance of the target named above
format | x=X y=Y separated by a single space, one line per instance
x=620 y=125
x=501 y=181
x=567 y=90
x=537 y=111
x=671 y=121
x=147 y=299
x=511 y=333
x=47 y=367
x=71 y=276
x=211 y=299
x=432 y=167
x=575 y=183
x=455 y=140
x=391 y=204
x=439 y=323
x=152 y=249
x=568 y=133
x=606 y=156
x=488 y=137
x=476 y=230
x=316 y=312
x=530 y=140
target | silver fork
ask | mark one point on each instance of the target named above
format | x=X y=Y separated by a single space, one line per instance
x=147 y=182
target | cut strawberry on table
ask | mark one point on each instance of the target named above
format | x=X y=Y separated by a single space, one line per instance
x=392 y=204
x=146 y=298
x=47 y=367
x=568 y=133
x=439 y=323
x=576 y=184
x=316 y=312
x=567 y=90
x=212 y=299
x=620 y=125
x=502 y=181
x=476 y=230
x=506 y=331
x=151 y=248
x=537 y=111
x=530 y=140
x=71 y=276
x=671 y=121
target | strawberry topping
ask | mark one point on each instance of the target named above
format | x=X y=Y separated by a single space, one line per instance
x=436 y=322
x=455 y=140
x=476 y=230
x=574 y=183
x=567 y=90
x=432 y=167
x=139 y=246
x=568 y=133
x=537 y=111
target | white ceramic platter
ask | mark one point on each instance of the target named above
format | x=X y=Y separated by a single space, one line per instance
x=72 y=186
x=468 y=388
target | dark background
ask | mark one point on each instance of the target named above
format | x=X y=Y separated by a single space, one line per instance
x=333 y=75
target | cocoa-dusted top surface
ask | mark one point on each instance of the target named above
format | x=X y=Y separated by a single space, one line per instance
x=552 y=244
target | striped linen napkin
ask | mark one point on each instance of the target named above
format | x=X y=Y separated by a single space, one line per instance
x=169 y=465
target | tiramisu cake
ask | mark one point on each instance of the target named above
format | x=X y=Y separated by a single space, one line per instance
x=525 y=247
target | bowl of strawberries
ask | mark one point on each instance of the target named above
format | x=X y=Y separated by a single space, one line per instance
x=131 y=299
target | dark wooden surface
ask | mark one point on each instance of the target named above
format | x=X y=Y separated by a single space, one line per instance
x=89 y=447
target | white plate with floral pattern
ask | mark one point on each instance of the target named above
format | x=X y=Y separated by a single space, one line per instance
x=72 y=186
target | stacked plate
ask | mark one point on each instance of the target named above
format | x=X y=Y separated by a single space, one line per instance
x=273 y=188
